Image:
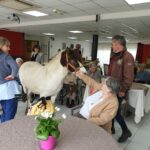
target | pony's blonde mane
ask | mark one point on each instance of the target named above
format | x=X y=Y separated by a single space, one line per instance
x=54 y=59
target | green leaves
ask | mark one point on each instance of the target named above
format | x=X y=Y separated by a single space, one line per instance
x=43 y=136
x=55 y=134
x=47 y=127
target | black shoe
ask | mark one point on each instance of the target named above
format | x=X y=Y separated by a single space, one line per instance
x=113 y=130
x=125 y=135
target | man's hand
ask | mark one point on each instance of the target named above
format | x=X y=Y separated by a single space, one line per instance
x=10 y=77
x=121 y=94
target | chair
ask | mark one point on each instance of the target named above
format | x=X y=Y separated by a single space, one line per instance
x=75 y=109
x=106 y=69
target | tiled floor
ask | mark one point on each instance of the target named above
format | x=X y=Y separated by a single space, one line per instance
x=140 y=139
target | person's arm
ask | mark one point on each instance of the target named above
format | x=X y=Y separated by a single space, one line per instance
x=128 y=74
x=14 y=68
x=32 y=54
x=105 y=116
x=89 y=81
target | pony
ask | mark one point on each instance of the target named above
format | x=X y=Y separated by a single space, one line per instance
x=47 y=80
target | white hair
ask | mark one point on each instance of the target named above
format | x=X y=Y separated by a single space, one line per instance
x=19 y=60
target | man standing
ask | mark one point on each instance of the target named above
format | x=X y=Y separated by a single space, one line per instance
x=121 y=67
x=77 y=53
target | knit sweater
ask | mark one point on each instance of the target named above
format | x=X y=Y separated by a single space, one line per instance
x=8 y=66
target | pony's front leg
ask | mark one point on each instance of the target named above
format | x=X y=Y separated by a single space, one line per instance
x=28 y=102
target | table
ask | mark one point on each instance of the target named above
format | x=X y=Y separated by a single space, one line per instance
x=139 y=98
x=76 y=134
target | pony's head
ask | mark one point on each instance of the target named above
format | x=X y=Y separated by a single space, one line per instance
x=69 y=60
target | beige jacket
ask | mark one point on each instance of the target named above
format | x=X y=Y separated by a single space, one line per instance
x=103 y=113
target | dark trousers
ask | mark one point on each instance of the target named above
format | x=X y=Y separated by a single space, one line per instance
x=119 y=117
x=9 y=108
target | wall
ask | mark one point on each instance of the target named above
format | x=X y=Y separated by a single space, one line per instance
x=17 y=42
x=57 y=44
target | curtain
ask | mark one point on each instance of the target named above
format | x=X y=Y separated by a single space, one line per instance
x=139 y=53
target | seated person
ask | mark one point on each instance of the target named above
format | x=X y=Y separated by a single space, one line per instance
x=142 y=75
x=101 y=107
x=19 y=62
x=95 y=74
x=71 y=87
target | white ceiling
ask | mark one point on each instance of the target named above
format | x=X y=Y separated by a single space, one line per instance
x=114 y=14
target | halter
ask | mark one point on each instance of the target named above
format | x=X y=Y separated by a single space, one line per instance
x=69 y=64
x=73 y=67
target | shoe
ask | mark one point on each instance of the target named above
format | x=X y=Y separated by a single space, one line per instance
x=113 y=130
x=125 y=135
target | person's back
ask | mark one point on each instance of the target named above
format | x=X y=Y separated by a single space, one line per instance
x=5 y=70
x=8 y=85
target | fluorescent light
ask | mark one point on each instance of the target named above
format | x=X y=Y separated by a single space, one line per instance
x=76 y=31
x=133 y=2
x=72 y=38
x=87 y=40
x=48 y=34
x=109 y=37
x=35 y=13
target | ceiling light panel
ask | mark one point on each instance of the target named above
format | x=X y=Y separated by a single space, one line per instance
x=72 y=38
x=133 y=2
x=76 y=31
x=48 y=33
x=35 y=13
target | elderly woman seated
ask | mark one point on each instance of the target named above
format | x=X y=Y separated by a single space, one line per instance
x=101 y=107
x=142 y=75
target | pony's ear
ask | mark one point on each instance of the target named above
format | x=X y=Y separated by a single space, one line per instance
x=63 y=59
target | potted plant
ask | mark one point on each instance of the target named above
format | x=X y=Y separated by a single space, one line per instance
x=47 y=130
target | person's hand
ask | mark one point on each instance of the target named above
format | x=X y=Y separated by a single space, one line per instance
x=121 y=94
x=10 y=77
x=79 y=74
